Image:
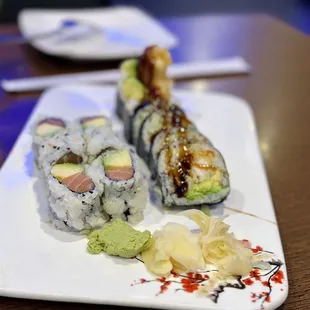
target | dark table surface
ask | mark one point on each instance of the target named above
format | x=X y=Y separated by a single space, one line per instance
x=278 y=91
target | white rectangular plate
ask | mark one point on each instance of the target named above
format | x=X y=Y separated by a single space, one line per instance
x=38 y=261
x=129 y=20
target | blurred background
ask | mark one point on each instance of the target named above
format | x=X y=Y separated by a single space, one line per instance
x=294 y=12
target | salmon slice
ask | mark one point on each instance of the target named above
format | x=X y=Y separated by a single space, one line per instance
x=54 y=121
x=119 y=173
x=79 y=183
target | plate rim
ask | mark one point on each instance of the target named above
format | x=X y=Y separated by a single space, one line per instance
x=174 y=40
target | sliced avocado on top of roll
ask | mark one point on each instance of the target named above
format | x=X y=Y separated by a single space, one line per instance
x=118 y=166
x=93 y=121
x=132 y=88
x=129 y=67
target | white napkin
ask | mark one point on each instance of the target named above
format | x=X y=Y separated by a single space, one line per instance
x=235 y=65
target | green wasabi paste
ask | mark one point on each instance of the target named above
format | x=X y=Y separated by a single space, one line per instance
x=119 y=239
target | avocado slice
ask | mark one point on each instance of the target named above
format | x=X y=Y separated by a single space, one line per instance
x=206 y=187
x=47 y=129
x=120 y=158
x=133 y=89
x=62 y=171
x=129 y=67
x=118 y=166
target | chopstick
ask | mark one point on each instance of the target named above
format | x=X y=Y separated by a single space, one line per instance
x=226 y=66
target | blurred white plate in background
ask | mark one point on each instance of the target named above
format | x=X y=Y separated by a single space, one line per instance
x=124 y=20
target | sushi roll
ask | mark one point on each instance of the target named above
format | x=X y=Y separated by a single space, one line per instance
x=160 y=120
x=74 y=198
x=191 y=174
x=42 y=131
x=165 y=138
x=125 y=187
x=188 y=169
x=143 y=79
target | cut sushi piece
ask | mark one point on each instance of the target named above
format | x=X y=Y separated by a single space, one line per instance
x=93 y=121
x=160 y=120
x=125 y=188
x=167 y=137
x=192 y=174
x=74 y=195
x=118 y=166
x=63 y=171
x=49 y=127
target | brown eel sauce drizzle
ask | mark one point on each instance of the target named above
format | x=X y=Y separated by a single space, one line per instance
x=173 y=118
x=180 y=172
